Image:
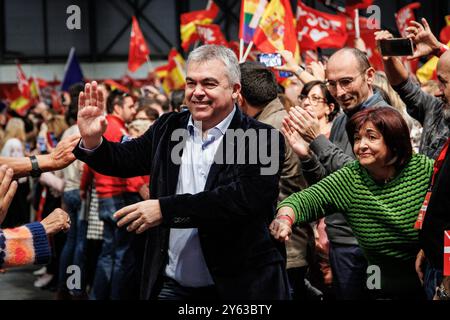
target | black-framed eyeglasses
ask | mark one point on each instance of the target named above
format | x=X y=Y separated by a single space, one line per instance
x=345 y=83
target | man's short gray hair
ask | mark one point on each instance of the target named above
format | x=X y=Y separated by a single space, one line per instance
x=215 y=52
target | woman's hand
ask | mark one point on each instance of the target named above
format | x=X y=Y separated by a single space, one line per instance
x=56 y=221
x=297 y=143
x=281 y=226
x=7 y=190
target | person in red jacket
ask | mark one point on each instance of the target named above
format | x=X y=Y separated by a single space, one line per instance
x=115 y=275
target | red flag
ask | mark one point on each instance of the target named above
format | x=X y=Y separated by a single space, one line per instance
x=211 y=34
x=56 y=101
x=139 y=51
x=404 y=16
x=351 y=5
x=318 y=29
x=310 y=56
x=22 y=82
x=276 y=30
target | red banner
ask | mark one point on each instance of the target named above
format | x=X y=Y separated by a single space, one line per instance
x=211 y=34
x=404 y=16
x=318 y=29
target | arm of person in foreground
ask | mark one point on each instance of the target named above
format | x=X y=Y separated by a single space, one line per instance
x=58 y=159
x=332 y=194
x=26 y=244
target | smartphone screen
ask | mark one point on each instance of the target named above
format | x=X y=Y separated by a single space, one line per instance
x=273 y=60
x=396 y=47
x=42 y=145
x=270 y=59
x=27 y=147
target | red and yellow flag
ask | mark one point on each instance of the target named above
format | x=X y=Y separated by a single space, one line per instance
x=188 y=28
x=175 y=78
x=276 y=30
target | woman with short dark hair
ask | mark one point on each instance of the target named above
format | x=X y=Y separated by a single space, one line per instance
x=320 y=99
x=380 y=194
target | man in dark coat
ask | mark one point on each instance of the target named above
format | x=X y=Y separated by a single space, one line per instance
x=214 y=185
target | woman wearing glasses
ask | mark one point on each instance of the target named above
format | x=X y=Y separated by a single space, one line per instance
x=316 y=98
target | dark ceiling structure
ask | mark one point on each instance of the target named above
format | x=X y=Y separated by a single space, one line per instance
x=35 y=31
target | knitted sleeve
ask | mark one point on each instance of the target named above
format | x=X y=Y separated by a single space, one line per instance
x=329 y=195
x=24 y=245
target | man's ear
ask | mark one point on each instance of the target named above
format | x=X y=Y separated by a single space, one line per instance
x=330 y=108
x=117 y=109
x=370 y=74
x=236 y=91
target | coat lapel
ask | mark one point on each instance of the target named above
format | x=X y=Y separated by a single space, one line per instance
x=173 y=167
x=219 y=159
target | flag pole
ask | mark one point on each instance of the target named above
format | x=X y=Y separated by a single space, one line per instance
x=357 y=32
x=247 y=52
x=149 y=64
x=241 y=49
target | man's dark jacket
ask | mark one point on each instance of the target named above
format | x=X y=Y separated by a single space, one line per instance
x=232 y=214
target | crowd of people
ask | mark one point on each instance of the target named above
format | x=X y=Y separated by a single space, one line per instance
x=172 y=197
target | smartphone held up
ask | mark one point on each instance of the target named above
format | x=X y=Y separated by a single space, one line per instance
x=273 y=60
x=396 y=47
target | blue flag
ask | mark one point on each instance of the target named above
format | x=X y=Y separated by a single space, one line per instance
x=72 y=71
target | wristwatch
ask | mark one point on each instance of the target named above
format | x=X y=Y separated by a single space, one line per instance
x=35 y=170
x=441 y=293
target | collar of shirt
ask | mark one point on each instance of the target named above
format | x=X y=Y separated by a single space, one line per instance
x=212 y=134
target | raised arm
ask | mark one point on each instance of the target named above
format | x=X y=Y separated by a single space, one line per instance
x=91 y=115
x=329 y=195
x=59 y=158
x=292 y=66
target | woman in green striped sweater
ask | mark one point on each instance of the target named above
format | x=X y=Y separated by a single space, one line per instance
x=381 y=194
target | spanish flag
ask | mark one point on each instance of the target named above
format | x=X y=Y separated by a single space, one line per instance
x=20 y=105
x=175 y=78
x=276 y=30
x=188 y=28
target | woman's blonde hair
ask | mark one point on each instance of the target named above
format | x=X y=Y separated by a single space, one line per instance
x=57 y=124
x=15 y=128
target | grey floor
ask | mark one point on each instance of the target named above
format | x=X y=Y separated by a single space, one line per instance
x=17 y=284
